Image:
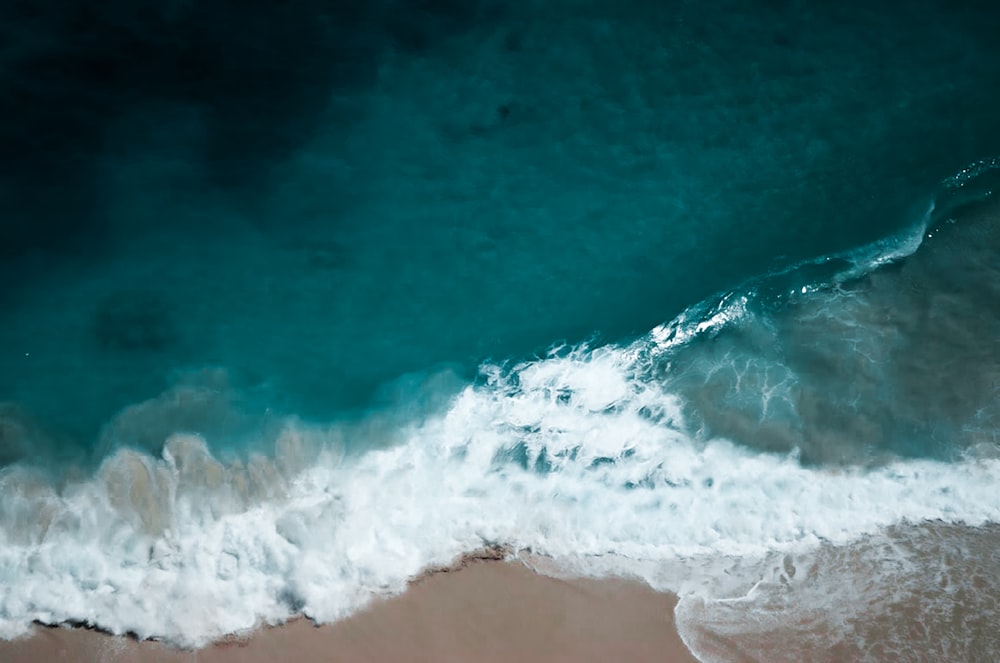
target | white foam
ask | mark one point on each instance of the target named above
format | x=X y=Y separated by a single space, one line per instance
x=577 y=457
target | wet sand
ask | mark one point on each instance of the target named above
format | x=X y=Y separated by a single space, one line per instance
x=484 y=611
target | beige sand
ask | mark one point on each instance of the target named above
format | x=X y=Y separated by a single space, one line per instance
x=486 y=611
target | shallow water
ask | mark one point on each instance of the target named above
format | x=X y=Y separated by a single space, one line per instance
x=924 y=592
x=665 y=290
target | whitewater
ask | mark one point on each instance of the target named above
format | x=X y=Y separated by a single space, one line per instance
x=303 y=301
x=601 y=458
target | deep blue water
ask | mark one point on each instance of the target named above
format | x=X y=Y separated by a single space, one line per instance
x=216 y=217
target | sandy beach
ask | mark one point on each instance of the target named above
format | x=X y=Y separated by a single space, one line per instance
x=484 y=611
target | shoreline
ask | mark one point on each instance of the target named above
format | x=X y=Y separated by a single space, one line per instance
x=484 y=607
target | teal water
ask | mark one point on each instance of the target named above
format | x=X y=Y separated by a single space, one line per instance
x=539 y=176
x=606 y=247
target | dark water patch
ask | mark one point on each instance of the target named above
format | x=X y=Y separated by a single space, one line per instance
x=419 y=25
x=260 y=76
x=134 y=321
x=519 y=455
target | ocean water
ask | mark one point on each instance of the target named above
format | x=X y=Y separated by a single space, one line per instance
x=300 y=301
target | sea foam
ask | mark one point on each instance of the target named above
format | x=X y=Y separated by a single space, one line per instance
x=570 y=456
x=589 y=456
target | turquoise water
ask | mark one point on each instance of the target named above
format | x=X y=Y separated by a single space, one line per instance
x=602 y=230
x=542 y=176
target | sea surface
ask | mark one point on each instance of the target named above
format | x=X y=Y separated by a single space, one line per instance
x=301 y=299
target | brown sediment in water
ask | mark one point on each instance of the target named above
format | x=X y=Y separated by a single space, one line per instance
x=479 y=609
